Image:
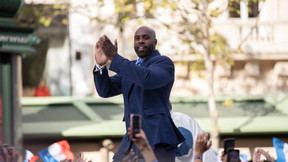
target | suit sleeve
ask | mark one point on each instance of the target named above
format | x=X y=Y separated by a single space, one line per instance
x=107 y=86
x=158 y=73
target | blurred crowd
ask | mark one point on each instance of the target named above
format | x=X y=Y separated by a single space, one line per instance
x=197 y=149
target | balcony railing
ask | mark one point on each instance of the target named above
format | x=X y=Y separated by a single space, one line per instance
x=256 y=37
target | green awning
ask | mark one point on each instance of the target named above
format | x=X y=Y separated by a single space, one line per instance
x=97 y=117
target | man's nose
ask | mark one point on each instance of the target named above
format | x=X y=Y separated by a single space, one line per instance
x=141 y=41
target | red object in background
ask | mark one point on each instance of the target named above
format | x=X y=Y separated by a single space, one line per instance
x=42 y=90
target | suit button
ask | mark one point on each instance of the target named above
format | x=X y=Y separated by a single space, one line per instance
x=129 y=99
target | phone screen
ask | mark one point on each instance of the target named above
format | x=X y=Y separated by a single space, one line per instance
x=136 y=124
x=233 y=155
x=228 y=144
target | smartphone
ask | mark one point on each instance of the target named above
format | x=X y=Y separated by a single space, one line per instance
x=233 y=155
x=135 y=120
x=228 y=144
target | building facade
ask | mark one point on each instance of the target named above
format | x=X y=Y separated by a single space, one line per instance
x=260 y=67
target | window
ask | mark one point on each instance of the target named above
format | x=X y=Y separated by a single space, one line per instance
x=234 y=8
x=243 y=9
x=253 y=9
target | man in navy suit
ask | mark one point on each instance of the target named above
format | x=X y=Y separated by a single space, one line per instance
x=145 y=85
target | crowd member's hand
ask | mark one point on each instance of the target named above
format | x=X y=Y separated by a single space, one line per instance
x=107 y=47
x=257 y=156
x=8 y=153
x=267 y=156
x=222 y=156
x=143 y=145
x=129 y=156
x=202 y=144
x=258 y=153
x=140 y=141
x=13 y=154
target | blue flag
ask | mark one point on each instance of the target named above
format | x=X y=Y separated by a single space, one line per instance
x=281 y=150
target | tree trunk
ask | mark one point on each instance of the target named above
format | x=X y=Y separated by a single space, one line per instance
x=214 y=134
x=213 y=110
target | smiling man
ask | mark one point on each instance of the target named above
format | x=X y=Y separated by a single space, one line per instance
x=145 y=85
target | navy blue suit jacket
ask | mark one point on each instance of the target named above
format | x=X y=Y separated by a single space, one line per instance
x=146 y=91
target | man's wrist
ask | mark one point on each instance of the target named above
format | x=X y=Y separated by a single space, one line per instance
x=99 y=68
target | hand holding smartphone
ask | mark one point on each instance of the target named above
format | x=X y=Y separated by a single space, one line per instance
x=233 y=155
x=135 y=123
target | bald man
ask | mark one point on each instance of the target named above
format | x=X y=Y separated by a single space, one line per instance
x=145 y=84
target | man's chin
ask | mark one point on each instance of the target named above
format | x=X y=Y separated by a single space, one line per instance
x=141 y=54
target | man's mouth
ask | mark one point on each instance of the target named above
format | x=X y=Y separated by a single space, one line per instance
x=141 y=48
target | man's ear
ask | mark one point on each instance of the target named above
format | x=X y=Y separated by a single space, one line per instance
x=155 y=42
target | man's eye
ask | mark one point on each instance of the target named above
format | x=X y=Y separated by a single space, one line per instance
x=146 y=37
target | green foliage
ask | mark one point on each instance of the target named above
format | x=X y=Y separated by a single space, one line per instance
x=220 y=48
x=198 y=65
x=42 y=15
x=215 y=12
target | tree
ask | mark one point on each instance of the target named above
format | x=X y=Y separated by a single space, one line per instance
x=196 y=31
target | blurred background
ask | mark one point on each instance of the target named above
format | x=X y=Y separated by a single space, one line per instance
x=231 y=69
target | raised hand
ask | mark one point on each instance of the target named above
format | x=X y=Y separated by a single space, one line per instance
x=202 y=144
x=129 y=156
x=107 y=47
x=259 y=152
x=100 y=57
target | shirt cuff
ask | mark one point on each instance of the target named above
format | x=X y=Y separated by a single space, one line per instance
x=99 y=68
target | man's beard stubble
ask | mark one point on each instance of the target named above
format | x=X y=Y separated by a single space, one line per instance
x=145 y=53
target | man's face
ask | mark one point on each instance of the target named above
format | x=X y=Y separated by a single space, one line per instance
x=144 y=42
